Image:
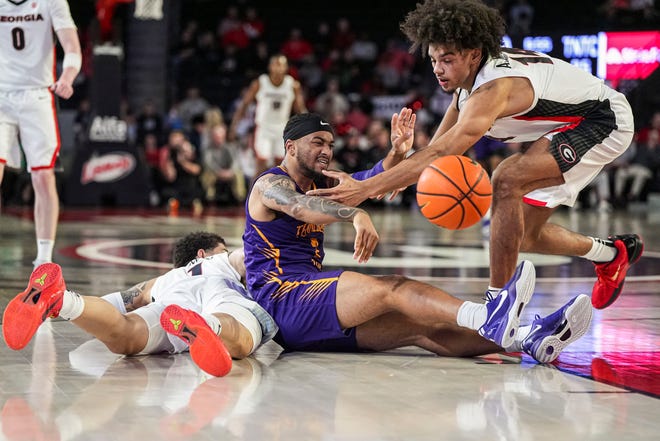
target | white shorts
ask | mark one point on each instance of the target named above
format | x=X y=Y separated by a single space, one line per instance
x=268 y=143
x=594 y=155
x=208 y=296
x=28 y=119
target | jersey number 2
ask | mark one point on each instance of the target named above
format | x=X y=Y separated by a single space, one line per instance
x=18 y=38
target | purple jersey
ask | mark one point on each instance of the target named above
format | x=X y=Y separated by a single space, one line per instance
x=283 y=260
x=282 y=247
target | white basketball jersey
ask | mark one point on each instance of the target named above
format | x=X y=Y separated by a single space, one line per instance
x=274 y=102
x=27 y=42
x=564 y=95
x=196 y=271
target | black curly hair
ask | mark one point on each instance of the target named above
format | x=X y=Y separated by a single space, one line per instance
x=185 y=249
x=460 y=24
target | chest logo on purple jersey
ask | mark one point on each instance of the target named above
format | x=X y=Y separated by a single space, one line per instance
x=567 y=153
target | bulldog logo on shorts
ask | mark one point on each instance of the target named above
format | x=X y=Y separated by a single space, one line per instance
x=567 y=153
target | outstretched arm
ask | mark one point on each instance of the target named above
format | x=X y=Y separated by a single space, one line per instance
x=476 y=117
x=278 y=193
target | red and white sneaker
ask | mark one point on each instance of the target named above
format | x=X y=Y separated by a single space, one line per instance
x=206 y=347
x=611 y=275
x=28 y=310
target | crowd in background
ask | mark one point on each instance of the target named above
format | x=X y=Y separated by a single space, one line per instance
x=189 y=157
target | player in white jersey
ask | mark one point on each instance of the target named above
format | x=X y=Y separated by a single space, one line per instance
x=576 y=126
x=188 y=308
x=276 y=94
x=27 y=99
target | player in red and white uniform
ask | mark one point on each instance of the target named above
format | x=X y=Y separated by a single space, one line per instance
x=575 y=123
x=276 y=94
x=200 y=306
x=27 y=99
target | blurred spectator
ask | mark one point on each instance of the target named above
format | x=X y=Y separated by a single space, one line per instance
x=197 y=134
x=219 y=176
x=149 y=151
x=597 y=193
x=253 y=24
x=230 y=24
x=81 y=123
x=394 y=66
x=644 y=164
x=180 y=170
x=149 y=122
x=379 y=139
x=296 y=48
x=343 y=36
x=489 y=153
x=247 y=164
x=351 y=158
x=653 y=126
x=358 y=115
x=364 y=49
x=193 y=104
x=521 y=15
x=331 y=101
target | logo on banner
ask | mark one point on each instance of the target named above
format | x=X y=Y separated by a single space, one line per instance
x=108 y=129
x=107 y=168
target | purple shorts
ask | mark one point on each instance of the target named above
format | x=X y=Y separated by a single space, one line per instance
x=304 y=307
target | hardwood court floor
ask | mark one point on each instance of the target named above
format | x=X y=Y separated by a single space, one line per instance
x=67 y=386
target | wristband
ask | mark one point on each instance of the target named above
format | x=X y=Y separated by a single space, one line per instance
x=72 y=60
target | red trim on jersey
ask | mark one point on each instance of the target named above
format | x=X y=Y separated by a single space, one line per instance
x=54 y=63
x=534 y=202
x=57 y=135
x=573 y=121
x=3 y=161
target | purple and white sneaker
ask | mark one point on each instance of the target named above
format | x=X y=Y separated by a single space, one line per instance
x=504 y=310
x=550 y=335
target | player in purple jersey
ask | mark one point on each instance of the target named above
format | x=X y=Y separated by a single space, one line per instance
x=575 y=123
x=348 y=311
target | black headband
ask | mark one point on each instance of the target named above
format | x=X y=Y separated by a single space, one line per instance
x=304 y=124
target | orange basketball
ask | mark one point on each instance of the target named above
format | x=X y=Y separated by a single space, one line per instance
x=454 y=192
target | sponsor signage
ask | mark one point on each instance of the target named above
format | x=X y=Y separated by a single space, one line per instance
x=612 y=56
x=628 y=55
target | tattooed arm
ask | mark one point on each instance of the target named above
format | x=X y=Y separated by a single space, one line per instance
x=137 y=295
x=278 y=193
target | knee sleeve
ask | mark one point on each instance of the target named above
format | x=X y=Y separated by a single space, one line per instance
x=245 y=318
x=159 y=340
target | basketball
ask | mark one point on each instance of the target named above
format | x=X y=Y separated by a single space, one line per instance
x=454 y=192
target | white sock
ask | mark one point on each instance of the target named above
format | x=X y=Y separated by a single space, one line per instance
x=45 y=250
x=523 y=332
x=213 y=322
x=72 y=305
x=471 y=315
x=116 y=300
x=601 y=251
x=494 y=291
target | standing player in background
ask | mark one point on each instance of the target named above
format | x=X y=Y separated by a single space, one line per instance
x=27 y=100
x=276 y=94
x=575 y=123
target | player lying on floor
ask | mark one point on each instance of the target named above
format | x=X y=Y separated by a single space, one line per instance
x=193 y=307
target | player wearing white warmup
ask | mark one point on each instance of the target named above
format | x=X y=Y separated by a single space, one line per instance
x=27 y=99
